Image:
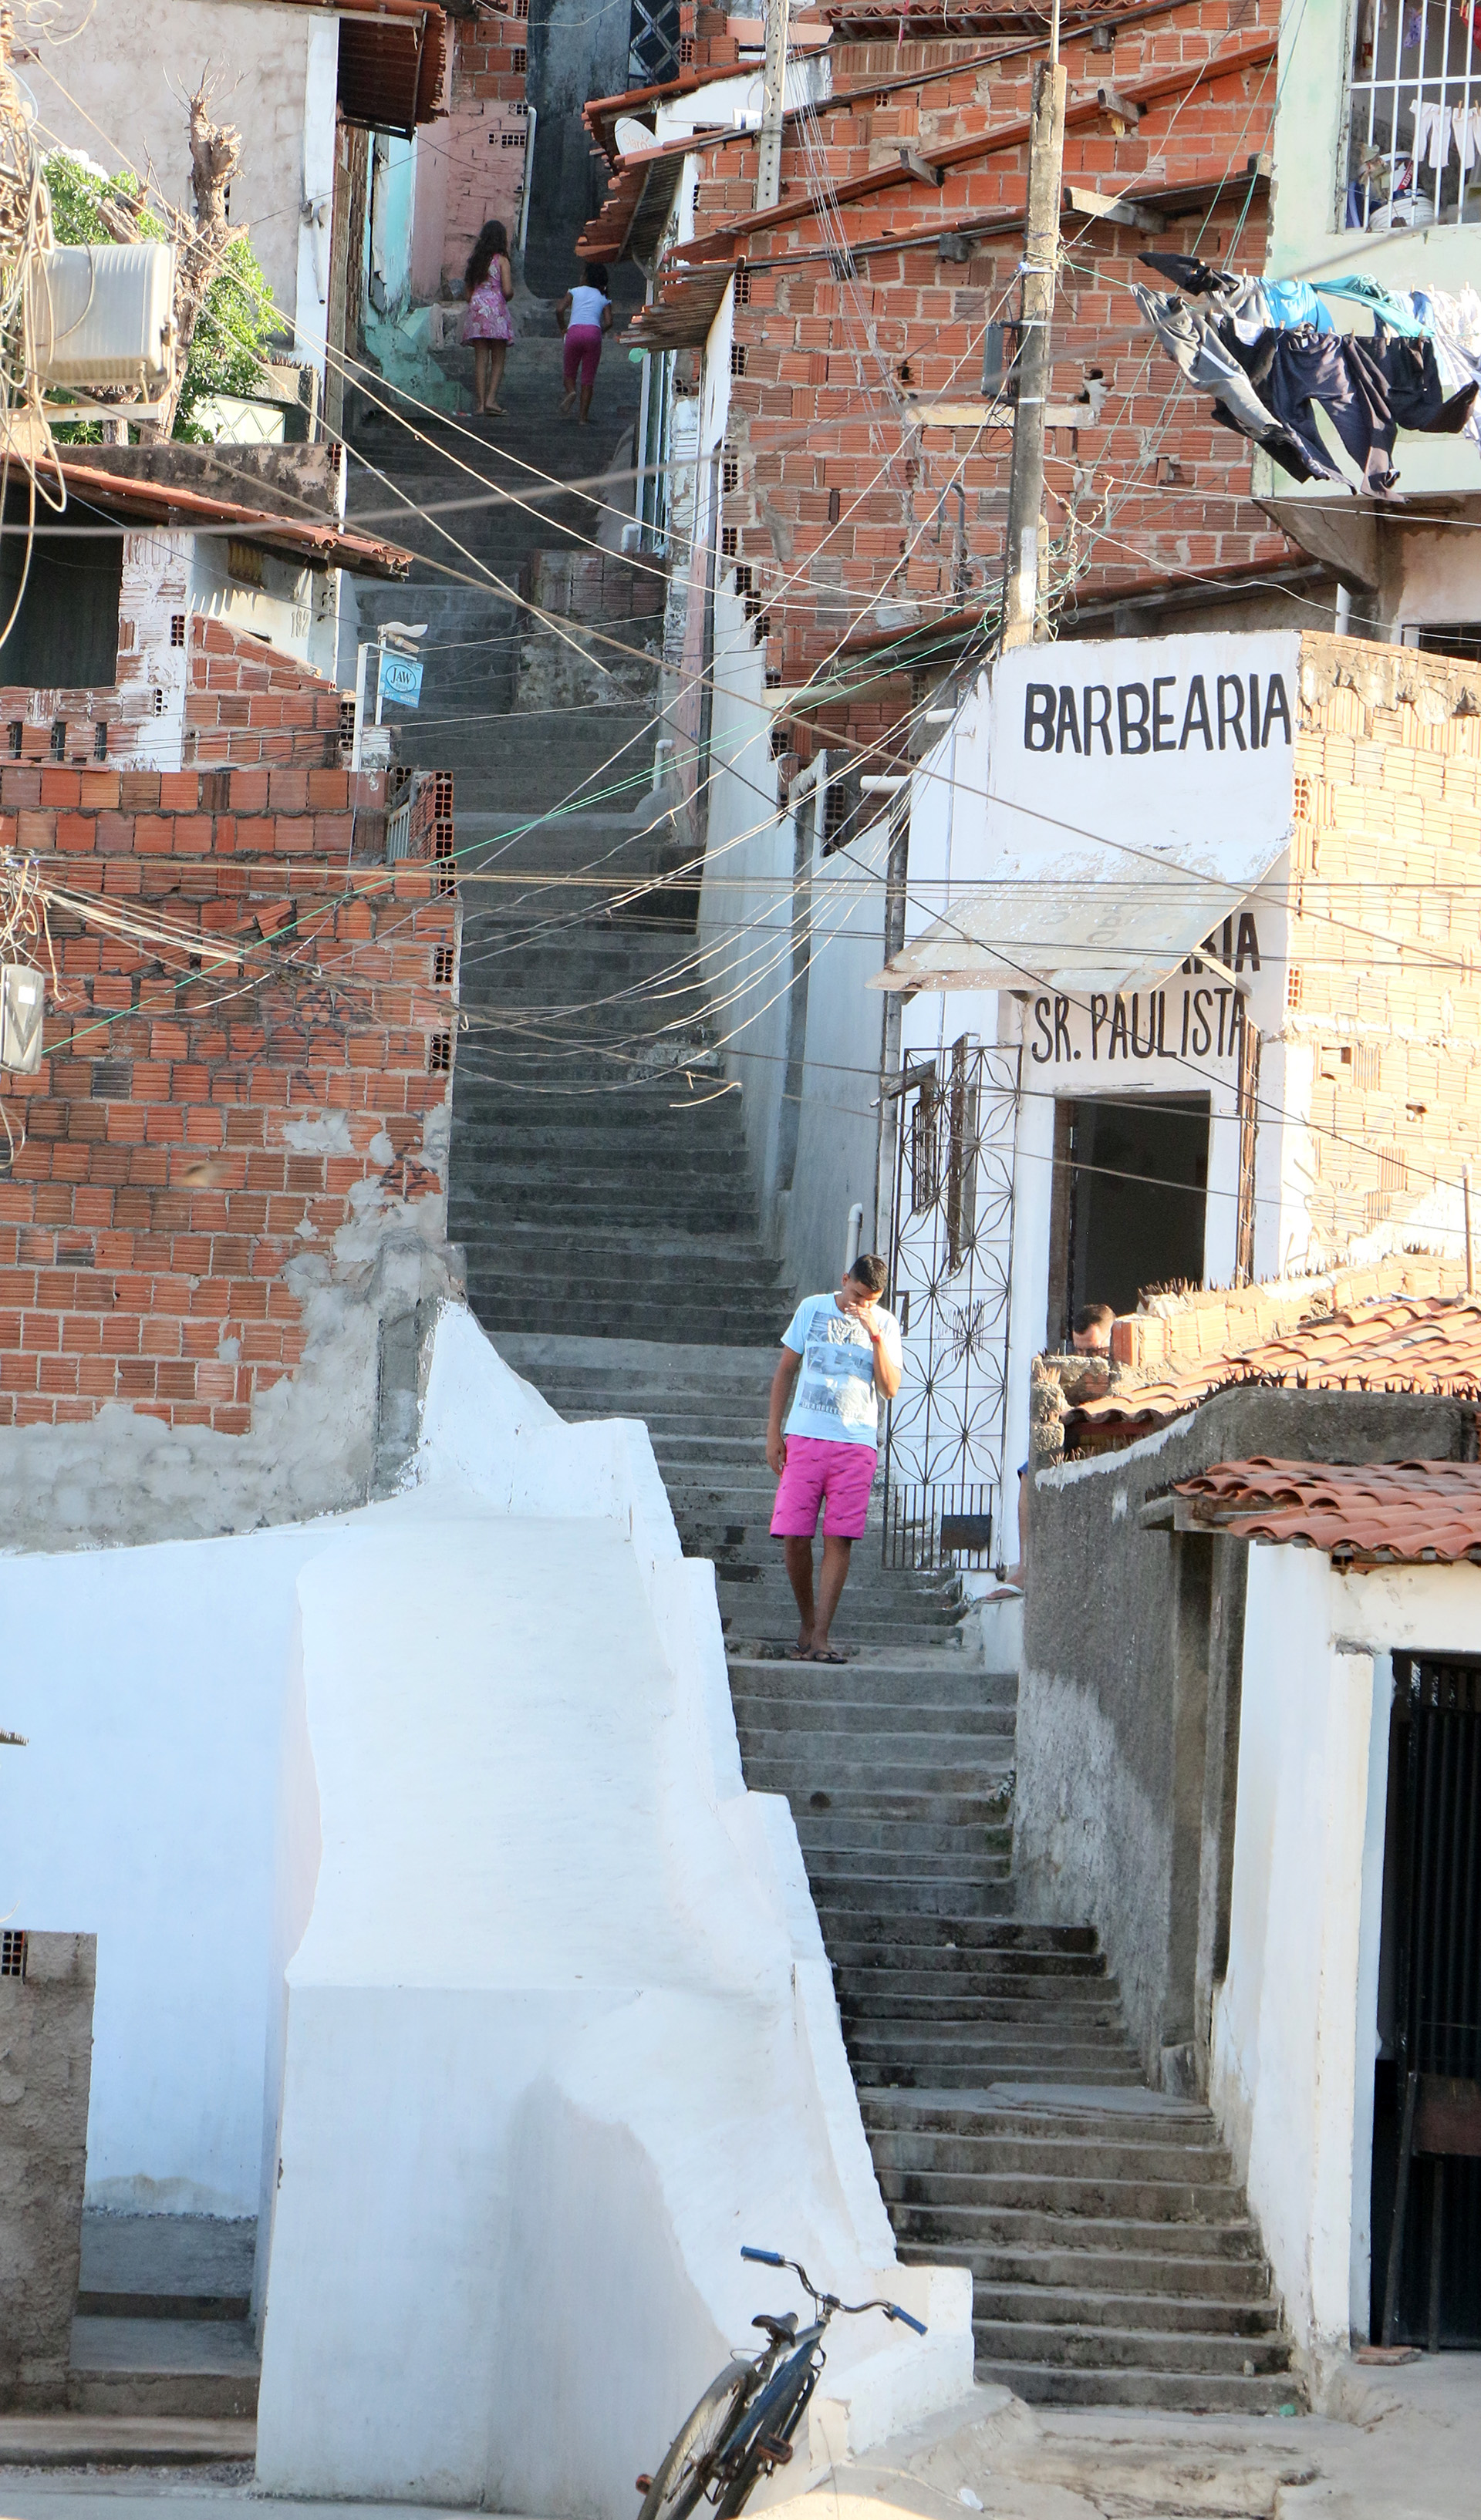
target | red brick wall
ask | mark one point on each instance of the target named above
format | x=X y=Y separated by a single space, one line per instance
x=248 y=704
x=156 y=1200
x=1153 y=486
x=484 y=136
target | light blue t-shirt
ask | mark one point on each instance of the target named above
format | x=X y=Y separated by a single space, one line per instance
x=835 y=1398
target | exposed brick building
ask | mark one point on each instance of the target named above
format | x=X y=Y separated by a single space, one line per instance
x=853 y=513
x=227 y=970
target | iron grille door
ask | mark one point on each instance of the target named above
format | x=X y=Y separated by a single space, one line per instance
x=950 y=1248
x=1433 y=2277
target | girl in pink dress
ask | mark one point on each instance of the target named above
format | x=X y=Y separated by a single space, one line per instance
x=489 y=283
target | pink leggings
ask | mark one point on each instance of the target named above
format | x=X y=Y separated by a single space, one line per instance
x=583 y=349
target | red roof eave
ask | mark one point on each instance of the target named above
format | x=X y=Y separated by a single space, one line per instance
x=151 y=503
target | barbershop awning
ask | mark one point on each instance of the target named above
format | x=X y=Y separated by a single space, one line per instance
x=1095 y=915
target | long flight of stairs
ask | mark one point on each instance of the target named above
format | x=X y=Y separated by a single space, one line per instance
x=599 y=1187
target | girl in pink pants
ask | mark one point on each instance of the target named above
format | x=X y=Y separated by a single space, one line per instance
x=583 y=314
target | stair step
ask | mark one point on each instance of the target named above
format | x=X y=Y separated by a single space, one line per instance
x=1103 y=2348
x=1176 y=2392
x=161 y=2366
x=942 y=2197
x=1004 y=2307
x=1082 y=2271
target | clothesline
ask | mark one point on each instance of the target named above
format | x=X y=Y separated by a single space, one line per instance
x=1271 y=355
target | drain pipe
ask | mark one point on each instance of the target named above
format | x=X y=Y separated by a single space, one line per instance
x=853 y=1235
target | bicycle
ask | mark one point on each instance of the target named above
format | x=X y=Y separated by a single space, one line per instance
x=743 y=2425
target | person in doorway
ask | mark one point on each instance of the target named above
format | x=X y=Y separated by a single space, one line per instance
x=583 y=315
x=488 y=325
x=842 y=1352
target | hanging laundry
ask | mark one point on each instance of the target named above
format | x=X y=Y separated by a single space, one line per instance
x=1406 y=374
x=1306 y=368
x=1432 y=130
x=1295 y=301
x=1210 y=365
x=1364 y=290
x=1466 y=124
x=1454 y=325
x=1259 y=303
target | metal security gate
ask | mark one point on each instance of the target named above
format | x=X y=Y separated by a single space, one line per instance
x=1432 y=2277
x=950 y=1248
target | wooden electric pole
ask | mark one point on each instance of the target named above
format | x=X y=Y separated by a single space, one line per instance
x=769 y=173
x=1023 y=561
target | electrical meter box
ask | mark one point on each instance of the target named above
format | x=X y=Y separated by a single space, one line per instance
x=23 y=1004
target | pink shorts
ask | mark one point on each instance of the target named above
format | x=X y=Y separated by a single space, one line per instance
x=818 y=1470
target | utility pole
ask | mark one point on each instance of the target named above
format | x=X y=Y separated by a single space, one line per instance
x=1024 y=558
x=769 y=173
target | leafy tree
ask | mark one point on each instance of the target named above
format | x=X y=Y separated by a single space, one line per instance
x=237 y=320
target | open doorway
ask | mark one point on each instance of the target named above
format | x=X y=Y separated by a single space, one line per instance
x=1129 y=1201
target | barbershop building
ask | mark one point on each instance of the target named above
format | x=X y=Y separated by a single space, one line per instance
x=1187 y=995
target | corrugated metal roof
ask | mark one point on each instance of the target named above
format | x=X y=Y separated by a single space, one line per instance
x=1375 y=1513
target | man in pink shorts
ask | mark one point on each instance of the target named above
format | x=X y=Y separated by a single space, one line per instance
x=842 y=1352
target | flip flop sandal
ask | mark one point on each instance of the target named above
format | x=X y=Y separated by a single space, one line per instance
x=832 y=1655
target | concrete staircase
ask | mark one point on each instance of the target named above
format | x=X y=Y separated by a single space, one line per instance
x=599 y=1187
x=162 y=2325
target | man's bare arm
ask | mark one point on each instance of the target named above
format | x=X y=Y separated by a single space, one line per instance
x=782 y=1383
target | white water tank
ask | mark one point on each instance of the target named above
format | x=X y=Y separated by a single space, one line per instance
x=103 y=315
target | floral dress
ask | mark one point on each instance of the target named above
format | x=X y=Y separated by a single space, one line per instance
x=487 y=317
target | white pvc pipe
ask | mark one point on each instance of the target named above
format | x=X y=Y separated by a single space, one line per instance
x=853 y=1235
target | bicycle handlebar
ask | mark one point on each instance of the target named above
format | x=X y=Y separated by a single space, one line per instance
x=829 y=2301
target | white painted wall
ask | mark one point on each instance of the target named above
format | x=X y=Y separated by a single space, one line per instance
x=1295 y=2023
x=117 y=95
x=150 y=1685
x=560 y=2031
x=421 y=1863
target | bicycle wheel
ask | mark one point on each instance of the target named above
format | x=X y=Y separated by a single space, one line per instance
x=688 y=2463
x=776 y=2421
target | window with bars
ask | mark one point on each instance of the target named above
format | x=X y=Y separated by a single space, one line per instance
x=1413 y=116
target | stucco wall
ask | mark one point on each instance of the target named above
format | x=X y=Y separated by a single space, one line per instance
x=560 y=2031
x=115 y=95
x=1295 y=2031
x=557 y=2032
x=1120 y=1769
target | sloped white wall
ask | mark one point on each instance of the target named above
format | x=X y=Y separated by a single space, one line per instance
x=560 y=2035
